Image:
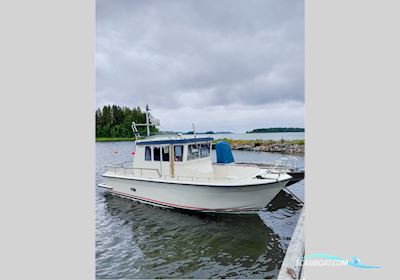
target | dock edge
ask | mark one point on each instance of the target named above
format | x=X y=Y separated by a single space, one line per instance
x=295 y=252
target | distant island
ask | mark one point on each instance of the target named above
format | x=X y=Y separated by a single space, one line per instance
x=276 y=129
x=191 y=132
x=209 y=132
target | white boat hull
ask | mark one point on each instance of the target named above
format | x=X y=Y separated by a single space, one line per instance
x=245 y=198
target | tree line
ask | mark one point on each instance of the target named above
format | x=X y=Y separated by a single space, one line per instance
x=115 y=122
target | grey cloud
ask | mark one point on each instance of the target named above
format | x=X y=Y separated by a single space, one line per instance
x=200 y=54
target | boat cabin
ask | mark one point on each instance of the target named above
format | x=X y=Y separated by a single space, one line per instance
x=177 y=157
x=174 y=157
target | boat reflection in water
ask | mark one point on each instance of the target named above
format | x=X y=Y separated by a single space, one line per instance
x=149 y=242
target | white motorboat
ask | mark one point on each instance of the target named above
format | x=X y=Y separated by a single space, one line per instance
x=177 y=172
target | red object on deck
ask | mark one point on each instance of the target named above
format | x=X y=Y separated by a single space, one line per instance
x=133 y=153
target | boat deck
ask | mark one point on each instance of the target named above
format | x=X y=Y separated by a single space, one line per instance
x=125 y=169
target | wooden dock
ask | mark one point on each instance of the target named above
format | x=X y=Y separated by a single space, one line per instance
x=295 y=251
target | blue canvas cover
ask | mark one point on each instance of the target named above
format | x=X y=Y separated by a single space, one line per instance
x=224 y=153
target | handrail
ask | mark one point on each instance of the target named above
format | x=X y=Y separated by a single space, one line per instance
x=120 y=165
x=116 y=166
x=243 y=164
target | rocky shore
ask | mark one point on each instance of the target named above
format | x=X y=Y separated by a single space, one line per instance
x=281 y=146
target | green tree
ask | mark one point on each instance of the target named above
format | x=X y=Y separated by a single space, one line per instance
x=115 y=121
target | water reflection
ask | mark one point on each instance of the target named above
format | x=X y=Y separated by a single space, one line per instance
x=284 y=200
x=166 y=243
x=175 y=244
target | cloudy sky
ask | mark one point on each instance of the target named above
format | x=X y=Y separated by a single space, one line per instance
x=225 y=65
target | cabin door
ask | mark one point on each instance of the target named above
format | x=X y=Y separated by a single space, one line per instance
x=165 y=157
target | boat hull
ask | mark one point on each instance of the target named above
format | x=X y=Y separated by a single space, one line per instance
x=189 y=196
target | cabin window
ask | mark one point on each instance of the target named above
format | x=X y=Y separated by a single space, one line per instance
x=193 y=152
x=178 y=152
x=165 y=154
x=147 y=153
x=205 y=150
x=156 y=153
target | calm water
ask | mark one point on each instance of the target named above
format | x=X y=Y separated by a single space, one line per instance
x=139 y=241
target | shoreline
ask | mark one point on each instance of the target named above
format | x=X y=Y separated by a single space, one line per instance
x=272 y=146
x=111 y=139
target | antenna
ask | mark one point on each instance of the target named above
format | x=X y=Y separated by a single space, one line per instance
x=147 y=120
x=150 y=121
x=194 y=131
